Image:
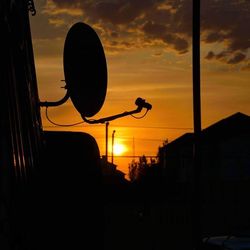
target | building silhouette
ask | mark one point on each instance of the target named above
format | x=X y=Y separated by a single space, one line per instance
x=224 y=173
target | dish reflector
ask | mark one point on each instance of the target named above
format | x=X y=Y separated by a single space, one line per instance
x=85 y=69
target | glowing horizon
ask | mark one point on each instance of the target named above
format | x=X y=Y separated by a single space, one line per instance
x=149 y=56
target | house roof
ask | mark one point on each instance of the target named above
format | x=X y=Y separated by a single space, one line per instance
x=230 y=126
x=184 y=139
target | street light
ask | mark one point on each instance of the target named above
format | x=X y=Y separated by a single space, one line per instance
x=113 y=138
x=106 y=126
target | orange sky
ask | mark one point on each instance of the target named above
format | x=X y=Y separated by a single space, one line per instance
x=148 y=51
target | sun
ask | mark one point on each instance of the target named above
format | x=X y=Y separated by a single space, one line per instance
x=119 y=149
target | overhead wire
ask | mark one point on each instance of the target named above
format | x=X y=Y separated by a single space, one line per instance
x=135 y=126
x=58 y=124
x=117 y=126
x=140 y=117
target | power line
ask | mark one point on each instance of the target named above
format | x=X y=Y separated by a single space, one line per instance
x=151 y=127
x=136 y=139
x=134 y=156
x=129 y=126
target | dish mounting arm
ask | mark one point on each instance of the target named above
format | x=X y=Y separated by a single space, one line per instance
x=57 y=103
x=139 y=102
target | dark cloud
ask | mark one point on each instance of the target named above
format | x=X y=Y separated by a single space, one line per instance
x=162 y=16
x=237 y=58
x=178 y=43
x=159 y=31
x=210 y=55
x=222 y=55
x=122 y=12
x=227 y=22
x=170 y=21
x=229 y=58
x=114 y=11
x=181 y=45
x=213 y=37
x=154 y=30
x=67 y=4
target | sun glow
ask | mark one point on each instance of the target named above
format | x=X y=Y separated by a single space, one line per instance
x=119 y=149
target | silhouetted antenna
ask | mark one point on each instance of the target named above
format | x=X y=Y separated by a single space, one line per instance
x=85 y=72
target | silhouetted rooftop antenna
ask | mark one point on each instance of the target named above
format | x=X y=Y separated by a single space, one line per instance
x=85 y=71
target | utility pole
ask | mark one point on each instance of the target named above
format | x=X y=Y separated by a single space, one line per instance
x=133 y=148
x=196 y=205
x=113 y=138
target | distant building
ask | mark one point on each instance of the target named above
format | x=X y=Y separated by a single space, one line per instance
x=110 y=172
x=225 y=172
x=225 y=149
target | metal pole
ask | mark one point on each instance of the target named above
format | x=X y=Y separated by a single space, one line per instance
x=196 y=67
x=133 y=148
x=113 y=135
x=197 y=126
x=107 y=124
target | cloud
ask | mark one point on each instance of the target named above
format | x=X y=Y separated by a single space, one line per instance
x=72 y=8
x=154 y=30
x=210 y=55
x=227 y=22
x=113 y=11
x=169 y=21
x=213 y=37
x=57 y=21
x=233 y=58
x=237 y=58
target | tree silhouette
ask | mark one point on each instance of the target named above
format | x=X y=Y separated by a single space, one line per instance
x=138 y=169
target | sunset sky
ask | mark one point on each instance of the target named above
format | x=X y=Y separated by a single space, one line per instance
x=148 y=50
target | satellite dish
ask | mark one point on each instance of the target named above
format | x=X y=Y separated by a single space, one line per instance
x=85 y=69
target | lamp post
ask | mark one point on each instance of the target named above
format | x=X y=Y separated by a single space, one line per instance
x=113 y=138
x=106 y=155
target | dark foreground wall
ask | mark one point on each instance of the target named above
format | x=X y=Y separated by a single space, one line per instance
x=20 y=125
x=69 y=187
